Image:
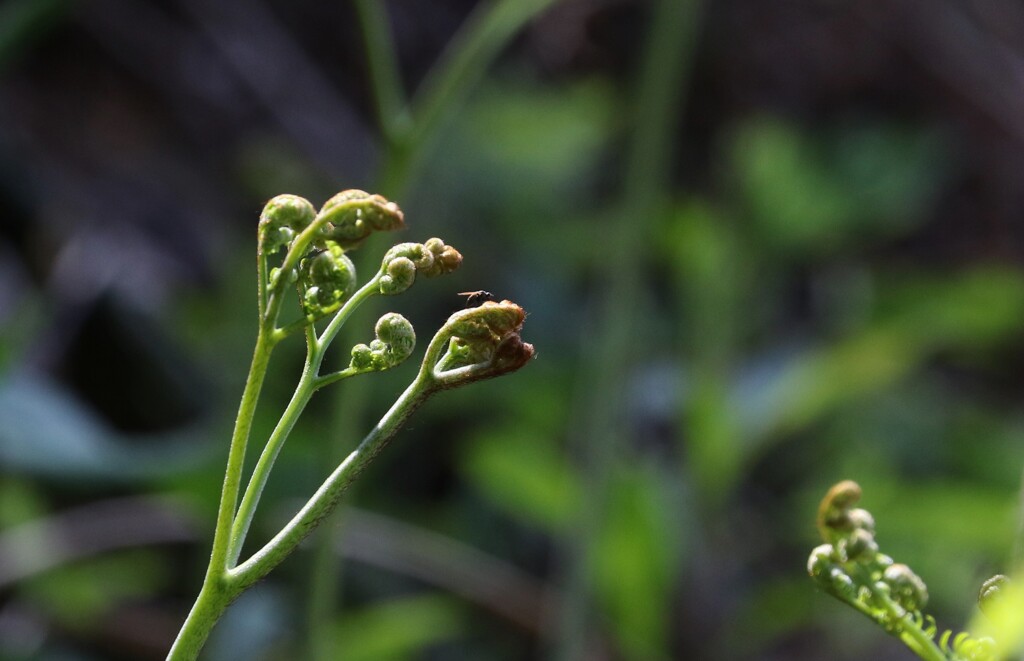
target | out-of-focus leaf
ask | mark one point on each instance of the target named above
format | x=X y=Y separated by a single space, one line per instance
x=968 y=517
x=768 y=612
x=79 y=595
x=812 y=196
x=526 y=474
x=711 y=274
x=397 y=629
x=713 y=441
x=47 y=432
x=971 y=310
x=527 y=152
x=636 y=561
x=542 y=134
x=20 y=501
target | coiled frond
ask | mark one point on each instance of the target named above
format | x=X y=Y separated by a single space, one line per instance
x=850 y=567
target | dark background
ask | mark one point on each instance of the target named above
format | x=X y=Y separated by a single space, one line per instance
x=792 y=256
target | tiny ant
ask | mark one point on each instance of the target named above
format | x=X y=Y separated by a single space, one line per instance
x=475 y=298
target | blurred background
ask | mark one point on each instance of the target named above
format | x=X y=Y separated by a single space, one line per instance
x=764 y=246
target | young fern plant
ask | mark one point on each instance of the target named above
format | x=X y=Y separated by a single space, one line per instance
x=473 y=344
x=850 y=567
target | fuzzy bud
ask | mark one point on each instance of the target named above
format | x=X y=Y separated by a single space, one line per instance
x=908 y=590
x=481 y=342
x=445 y=258
x=283 y=217
x=353 y=215
x=991 y=591
x=820 y=561
x=328 y=278
x=860 y=546
x=403 y=262
x=861 y=519
x=833 y=512
x=399 y=274
x=395 y=342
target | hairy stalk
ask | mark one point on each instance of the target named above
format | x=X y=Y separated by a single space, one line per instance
x=216 y=593
x=309 y=383
x=236 y=454
x=326 y=497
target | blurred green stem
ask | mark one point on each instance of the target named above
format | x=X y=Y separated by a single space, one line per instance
x=912 y=635
x=611 y=349
x=469 y=54
x=382 y=61
x=409 y=131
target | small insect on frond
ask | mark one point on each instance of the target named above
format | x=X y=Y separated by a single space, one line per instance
x=477 y=298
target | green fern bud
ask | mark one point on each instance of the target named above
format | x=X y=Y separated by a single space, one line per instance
x=833 y=512
x=482 y=342
x=283 y=217
x=399 y=274
x=395 y=342
x=328 y=278
x=861 y=519
x=908 y=590
x=398 y=336
x=353 y=215
x=820 y=561
x=991 y=591
x=403 y=262
x=860 y=546
x=445 y=258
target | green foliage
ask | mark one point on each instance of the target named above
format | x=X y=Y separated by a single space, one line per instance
x=398 y=629
x=80 y=596
x=798 y=305
x=812 y=196
x=636 y=562
x=524 y=474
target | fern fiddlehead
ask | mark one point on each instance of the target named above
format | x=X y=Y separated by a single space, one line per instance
x=850 y=567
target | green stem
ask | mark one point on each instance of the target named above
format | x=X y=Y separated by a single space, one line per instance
x=261 y=284
x=261 y=473
x=392 y=108
x=211 y=603
x=465 y=59
x=334 y=377
x=326 y=497
x=911 y=634
x=216 y=593
x=610 y=350
x=309 y=383
x=479 y=41
x=236 y=455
